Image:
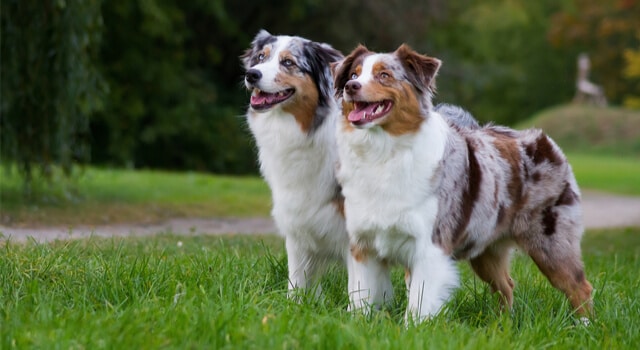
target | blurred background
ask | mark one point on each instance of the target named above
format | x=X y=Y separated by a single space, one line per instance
x=157 y=84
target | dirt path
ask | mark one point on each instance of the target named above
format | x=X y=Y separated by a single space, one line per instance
x=601 y=210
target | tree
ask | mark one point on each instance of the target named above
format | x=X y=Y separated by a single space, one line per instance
x=177 y=98
x=176 y=101
x=632 y=74
x=605 y=30
x=498 y=62
x=49 y=83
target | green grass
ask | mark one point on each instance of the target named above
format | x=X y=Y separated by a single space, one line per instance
x=115 y=196
x=109 y=196
x=607 y=173
x=230 y=292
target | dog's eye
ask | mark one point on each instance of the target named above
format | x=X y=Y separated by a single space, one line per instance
x=261 y=57
x=287 y=62
x=384 y=75
x=354 y=76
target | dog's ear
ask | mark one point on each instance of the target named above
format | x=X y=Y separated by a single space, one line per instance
x=332 y=55
x=319 y=57
x=421 y=69
x=321 y=54
x=342 y=70
x=262 y=34
x=261 y=39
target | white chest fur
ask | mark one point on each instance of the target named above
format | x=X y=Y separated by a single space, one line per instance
x=299 y=168
x=387 y=184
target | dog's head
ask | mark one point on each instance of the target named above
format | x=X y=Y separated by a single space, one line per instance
x=390 y=90
x=289 y=72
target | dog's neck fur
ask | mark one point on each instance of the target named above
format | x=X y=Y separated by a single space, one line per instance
x=280 y=149
x=298 y=166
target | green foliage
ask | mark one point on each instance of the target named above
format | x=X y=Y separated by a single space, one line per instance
x=498 y=62
x=172 y=102
x=230 y=292
x=605 y=30
x=49 y=83
x=176 y=93
x=632 y=74
x=175 y=98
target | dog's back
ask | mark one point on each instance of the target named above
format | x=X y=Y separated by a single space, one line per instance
x=513 y=182
x=457 y=116
x=513 y=187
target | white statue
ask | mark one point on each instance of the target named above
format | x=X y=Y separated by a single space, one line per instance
x=586 y=91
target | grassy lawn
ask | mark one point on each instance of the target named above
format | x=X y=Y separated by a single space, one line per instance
x=108 y=196
x=230 y=292
x=607 y=173
x=112 y=196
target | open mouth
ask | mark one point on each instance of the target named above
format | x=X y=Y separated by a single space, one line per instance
x=261 y=100
x=366 y=112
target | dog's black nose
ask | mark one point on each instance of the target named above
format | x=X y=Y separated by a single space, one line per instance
x=352 y=87
x=253 y=76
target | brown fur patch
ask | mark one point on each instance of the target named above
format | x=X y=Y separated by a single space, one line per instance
x=508 y=149
x=351 y=64
x=579 y=276
x=567 y=197
x=421 y=70
x=356 y=66
x=493 y=268
x=543 y=150
x=405 y=117
x=536 y=176
x=501 y=215
x=549 y=218
x=360 y=253
x=379 y=68
x=303 y=104
x=347 y=107
x=470 y=195
x=358 y=69
x=566 y=274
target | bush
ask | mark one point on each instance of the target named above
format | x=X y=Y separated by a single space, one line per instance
x=49 y=83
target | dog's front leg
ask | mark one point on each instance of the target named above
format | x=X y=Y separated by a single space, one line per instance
x=369 y=284
x=431 y=276
x=303 y=269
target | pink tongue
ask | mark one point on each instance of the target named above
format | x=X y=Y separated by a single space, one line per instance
x=358 y=114
x=262 y=98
